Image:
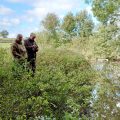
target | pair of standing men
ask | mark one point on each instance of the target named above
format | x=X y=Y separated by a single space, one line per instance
x=30 y=48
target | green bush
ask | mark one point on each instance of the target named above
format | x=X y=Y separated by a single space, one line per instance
x=61 y=89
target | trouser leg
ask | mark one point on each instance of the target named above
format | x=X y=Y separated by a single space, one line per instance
x=32 y=65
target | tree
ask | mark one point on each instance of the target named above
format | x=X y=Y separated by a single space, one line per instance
x=85 y=24
x=107 y=13
x=105 y=10
x=51 y=22
x=4 y=33
x=69 y=23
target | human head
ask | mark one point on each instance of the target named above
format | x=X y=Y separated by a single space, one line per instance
x=32 y=36
x=19 y=37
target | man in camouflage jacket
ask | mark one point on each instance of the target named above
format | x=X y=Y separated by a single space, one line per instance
x=19 y=54
x=18 y=49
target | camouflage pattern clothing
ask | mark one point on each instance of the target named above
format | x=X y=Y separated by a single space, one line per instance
x=18 y=51
x=19 y=54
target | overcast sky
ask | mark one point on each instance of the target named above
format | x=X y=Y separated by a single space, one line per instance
x=24 y=16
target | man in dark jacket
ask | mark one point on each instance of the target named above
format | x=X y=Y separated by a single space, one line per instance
x=31 y=48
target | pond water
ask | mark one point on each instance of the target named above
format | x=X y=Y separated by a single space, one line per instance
x=110 y=71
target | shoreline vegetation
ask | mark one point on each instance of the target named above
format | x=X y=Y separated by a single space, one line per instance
x=78 y=69
x=64 y=84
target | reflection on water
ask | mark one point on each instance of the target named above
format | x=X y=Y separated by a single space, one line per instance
x=110 y=71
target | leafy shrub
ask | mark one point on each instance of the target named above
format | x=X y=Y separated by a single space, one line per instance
x=61 y=88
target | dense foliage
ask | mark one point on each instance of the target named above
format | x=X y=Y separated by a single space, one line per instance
x=62 y=87
x=65 y=86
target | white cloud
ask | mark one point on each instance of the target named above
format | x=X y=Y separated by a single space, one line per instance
x=37 y=10
x=5 y=22
x=41 y=7
x=15 y=1
x=55 y=5
x=5 y=11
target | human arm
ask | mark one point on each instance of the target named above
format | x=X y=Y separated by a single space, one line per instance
x=15 y=52
x=27 y=46
x=36 y=47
